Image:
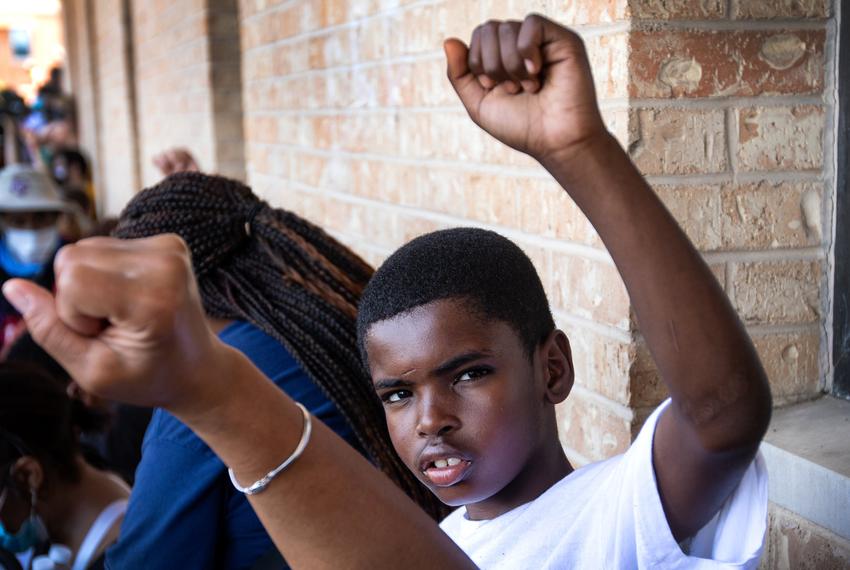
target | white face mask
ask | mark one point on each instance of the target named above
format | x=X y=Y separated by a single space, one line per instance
x=32 y=246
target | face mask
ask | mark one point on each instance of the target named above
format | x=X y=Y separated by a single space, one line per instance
x=32 y=246
x=31 y=534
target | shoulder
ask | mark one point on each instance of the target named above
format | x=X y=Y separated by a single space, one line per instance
x=266 y=352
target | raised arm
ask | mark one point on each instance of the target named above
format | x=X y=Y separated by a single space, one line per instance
x=529 y=85
x=127 y=323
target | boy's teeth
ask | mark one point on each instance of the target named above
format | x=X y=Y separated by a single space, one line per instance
x=443 y=463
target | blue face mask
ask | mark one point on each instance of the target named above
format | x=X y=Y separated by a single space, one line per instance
x=31 y=533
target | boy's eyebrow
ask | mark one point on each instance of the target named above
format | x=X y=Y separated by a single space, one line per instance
x=457 y=361
x=385 y=383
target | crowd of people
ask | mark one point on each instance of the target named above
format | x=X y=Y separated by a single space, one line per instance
x=222 y=384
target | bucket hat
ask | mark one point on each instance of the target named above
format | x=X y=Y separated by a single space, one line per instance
x=25 y=189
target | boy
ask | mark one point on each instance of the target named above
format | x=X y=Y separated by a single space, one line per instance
x=463 y=351
x=469 y=371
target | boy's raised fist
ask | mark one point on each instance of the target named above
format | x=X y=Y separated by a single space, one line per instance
x=528 y=84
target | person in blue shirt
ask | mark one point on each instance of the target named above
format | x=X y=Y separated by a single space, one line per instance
x=285 y=293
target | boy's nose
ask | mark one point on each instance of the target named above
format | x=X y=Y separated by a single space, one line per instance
x=436 y=418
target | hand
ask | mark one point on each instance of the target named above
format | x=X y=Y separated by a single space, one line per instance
x=175 y=160
x=126 y=322
x=528 y=84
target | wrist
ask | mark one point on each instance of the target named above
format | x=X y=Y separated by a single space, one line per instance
x=568 y=163
x=213 y=387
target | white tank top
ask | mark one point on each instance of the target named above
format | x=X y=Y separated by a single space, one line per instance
x=98 y=531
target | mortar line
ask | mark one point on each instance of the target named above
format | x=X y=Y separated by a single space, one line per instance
x=814 y=253
x=831 y=48
x=607 y=331
x=620 y=410
x=730 y=25
x=726 y=102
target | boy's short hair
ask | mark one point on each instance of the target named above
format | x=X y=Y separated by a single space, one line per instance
x=481 y=268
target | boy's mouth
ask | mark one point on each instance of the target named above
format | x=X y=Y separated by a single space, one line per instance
x=446 y=471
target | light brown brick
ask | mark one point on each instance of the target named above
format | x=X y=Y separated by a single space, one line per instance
x=771 y=215
x=777 y=292
x=725 y=63
x=698 y=211
x=592 y=429
x=794 y=542
x=608 y=55
x=581 y=12
x=589 y=289
x=747 y=216
x=780 y=138
x=645 y=386
x=791 y=363
x=677 y=9
x=758 y=9
x=677 y=141
x=601 y=363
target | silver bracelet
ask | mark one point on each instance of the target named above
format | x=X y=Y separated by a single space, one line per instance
x=263 y=482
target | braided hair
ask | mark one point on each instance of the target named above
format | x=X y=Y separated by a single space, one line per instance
x=287 y=277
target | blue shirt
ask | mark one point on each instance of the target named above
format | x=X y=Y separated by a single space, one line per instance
x=184 y=513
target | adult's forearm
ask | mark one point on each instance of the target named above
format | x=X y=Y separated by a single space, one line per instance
x=700 y=346
x=330 y=508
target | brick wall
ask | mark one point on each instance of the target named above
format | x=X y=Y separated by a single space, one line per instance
x=78 y=16
x=188 y=89
x=118 y=171
x=349 y=120
x=728 y=119
x=152 y=75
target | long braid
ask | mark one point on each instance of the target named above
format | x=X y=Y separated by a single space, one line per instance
x=287 y=277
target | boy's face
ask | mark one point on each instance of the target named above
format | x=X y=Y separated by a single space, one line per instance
x=465 y=405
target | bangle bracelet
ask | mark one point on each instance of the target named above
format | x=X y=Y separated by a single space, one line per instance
x=259 y=485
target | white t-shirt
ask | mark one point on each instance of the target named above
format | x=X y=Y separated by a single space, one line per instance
x=609 y=515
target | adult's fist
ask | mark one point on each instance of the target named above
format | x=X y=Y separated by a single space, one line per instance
x=126 y=322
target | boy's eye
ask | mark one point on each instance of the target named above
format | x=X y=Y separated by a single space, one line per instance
x=396 y=396
x=472 y=374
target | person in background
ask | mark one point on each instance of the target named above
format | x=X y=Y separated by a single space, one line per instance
x=284 y=293
x=30 y=210
x=48 y=493
x=113 y=443
x=70 y=170
x=175 y=160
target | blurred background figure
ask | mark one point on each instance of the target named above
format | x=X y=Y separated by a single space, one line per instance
x=175 y=160
x=112 y=443
x=49 y=494
x=30 y=209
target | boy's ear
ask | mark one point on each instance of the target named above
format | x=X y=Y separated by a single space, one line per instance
x=557 y=361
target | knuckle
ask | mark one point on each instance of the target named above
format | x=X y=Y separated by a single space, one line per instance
x=70 y=277
x=506 y=29
x=169 y=242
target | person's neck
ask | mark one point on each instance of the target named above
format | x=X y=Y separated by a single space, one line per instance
x=544 y=468
x=73 y=507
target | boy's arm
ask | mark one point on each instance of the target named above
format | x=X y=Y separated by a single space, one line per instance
x=529 y=85
x=127 y=324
